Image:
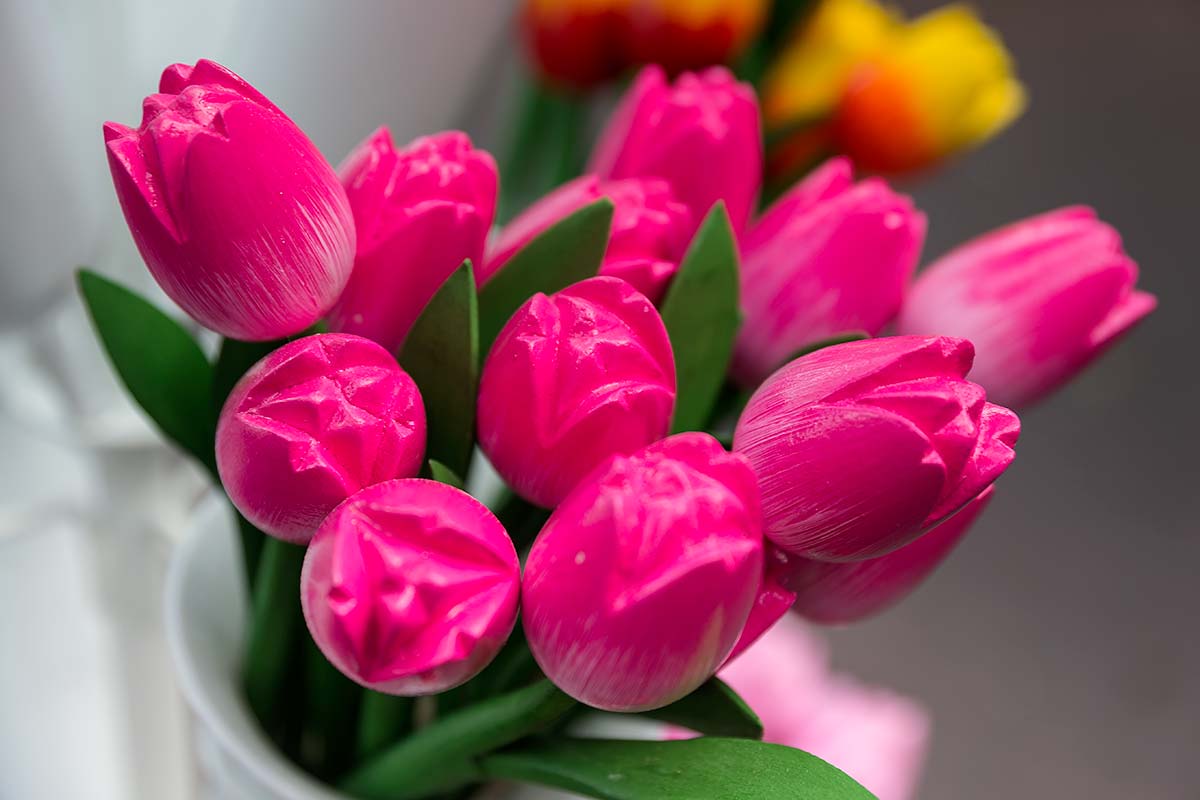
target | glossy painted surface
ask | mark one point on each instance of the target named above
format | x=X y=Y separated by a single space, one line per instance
x=240 y=219
x=829 y=256
x=861 y=446
x=1040 y=299
x=573 y=378
x=650 y=229
x=701 y=134
x=410 y=587
x=640 y=583
x=311 y=424
x=420 y=211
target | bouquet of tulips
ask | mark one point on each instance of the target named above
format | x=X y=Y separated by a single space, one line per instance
x=693 y=430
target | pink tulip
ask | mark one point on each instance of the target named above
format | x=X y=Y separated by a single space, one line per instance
x=773 y=599
x=1040 y=299
x=839 y=593
x=239 y=218
x=419 y=212
x=649 y=229
x=701 y=135
x=410 y=587
x=310 y=425
x=641 y=581
x=572 y=379
x=862 y=446
x=830 y=256
x=875 y=736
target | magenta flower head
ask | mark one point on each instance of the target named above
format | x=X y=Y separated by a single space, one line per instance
x=701 y=134
x=638 y=586
x=573 y=378
x=240 y=219
x=830 y=256
x=419 y=213
x=650 y=229
x=310 y=425
x=861 y=447
x=838 y=593
x=410 y=587
x=1040 y=299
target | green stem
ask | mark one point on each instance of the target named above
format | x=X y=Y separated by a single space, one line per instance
x=331 y=711
x=441 y=756
x=383 y=720
x=252 y=546
x=276 y=623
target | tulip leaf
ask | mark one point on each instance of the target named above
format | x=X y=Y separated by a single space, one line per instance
x=702 y=318
x=159 y=362
x=443 y=474
x=441 y=353
x=714 y=709
x=565 y=253
x=695 y=769
x=442 y=755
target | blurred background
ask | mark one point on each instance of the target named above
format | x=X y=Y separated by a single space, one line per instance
x=1056 y=651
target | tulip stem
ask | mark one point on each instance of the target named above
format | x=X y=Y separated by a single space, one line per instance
x=544 y=148
x=273 y=638
x=383 y=720
x=441 y=756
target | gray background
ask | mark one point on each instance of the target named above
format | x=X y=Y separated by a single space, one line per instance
x=1058 y=648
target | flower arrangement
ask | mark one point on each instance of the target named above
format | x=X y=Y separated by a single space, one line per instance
x=696 y=422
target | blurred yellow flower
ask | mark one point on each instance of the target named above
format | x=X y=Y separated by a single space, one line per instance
x=898 y=96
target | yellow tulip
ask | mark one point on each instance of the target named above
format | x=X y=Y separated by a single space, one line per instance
x=899 y=96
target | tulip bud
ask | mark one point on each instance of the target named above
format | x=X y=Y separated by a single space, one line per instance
x=641 y=581
x=649 y=230
x=410 y=587
x=572 y=379
x=700 y=134
x=680 y=36
x=861 y=446
x=830 y=256
x=419 y=213
x=1039 y=299
x=239 y=218
x=839 y=593
x=311 y=424
x=942 y=84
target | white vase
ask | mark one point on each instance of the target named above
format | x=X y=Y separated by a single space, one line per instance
x=205 y=608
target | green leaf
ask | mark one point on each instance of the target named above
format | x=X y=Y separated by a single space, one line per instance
x=714 y=709
x=384 y=718
x=442 y=755
x=443 y=474
x=689 y=769
x=159 y=362
x=565 y=253
x=276 y=623
x=702 y=318
x=441 y=354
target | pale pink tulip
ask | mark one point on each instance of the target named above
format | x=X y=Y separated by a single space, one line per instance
x=572 y=379
x=1040 y=299
x=311 y=424
x=862 y=446
x=875 y=736
x=701 y=134
x=238 y=216
x=410 y=587
x=638 y=586
x=419 y=212
x=649 y=229
x=830 y=256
